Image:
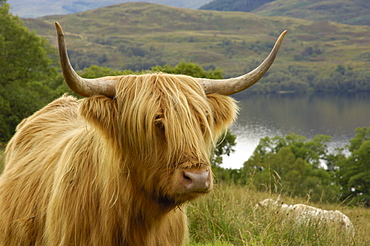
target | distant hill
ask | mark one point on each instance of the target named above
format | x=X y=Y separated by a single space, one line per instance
x=39 y=8
x=136 y=36
x=234 y=5
x=354 y=12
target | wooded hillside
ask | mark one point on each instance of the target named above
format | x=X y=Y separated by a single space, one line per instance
x=314 y=56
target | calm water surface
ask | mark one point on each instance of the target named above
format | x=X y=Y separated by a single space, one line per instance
x=337 y=115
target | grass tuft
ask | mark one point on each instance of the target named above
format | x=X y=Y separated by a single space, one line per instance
x=228 y=217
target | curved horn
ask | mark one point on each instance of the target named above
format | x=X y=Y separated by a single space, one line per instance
x=238 y=84
x=80 y=86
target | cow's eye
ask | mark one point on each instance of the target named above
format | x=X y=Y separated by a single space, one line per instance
x=159 y=123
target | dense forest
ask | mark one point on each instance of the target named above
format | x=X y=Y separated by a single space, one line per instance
x=30 y=78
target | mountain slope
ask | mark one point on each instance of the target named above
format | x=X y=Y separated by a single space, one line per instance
x=234 y=5
x=38 y=8
x=138 y=36
x=354 y=12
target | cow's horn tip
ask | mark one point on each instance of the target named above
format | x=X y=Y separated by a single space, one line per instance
x=59 y=28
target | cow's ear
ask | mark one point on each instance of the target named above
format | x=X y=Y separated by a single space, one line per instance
x=224 y=111
x=100 y=111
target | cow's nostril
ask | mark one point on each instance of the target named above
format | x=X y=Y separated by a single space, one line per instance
x=186 y=176
x=197 y=180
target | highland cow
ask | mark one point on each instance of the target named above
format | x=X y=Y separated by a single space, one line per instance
x=116 y=167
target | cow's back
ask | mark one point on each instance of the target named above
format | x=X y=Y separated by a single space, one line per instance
x=31 y=156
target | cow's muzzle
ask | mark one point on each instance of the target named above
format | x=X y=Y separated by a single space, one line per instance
x=196 y=180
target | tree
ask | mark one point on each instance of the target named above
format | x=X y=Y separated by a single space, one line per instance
x=95 y=71
x=186 y=68
x=27 y=70
x=191 y=69
x=224 y=147
x=354 y=172
x=291 y=164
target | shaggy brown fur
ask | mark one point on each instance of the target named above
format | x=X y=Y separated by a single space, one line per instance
x=102 y=171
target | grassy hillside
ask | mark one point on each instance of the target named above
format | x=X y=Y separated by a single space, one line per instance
x=355 y=12
x=234 y=5
x=138 y=36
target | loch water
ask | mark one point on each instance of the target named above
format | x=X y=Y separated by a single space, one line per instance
x=333 y=114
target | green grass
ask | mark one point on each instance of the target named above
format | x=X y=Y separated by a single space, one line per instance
x=217 y=243
x=227 y=217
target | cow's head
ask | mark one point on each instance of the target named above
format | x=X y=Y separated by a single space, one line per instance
x=163 y=126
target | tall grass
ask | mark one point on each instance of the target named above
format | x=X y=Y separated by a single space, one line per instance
x=228 y=217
